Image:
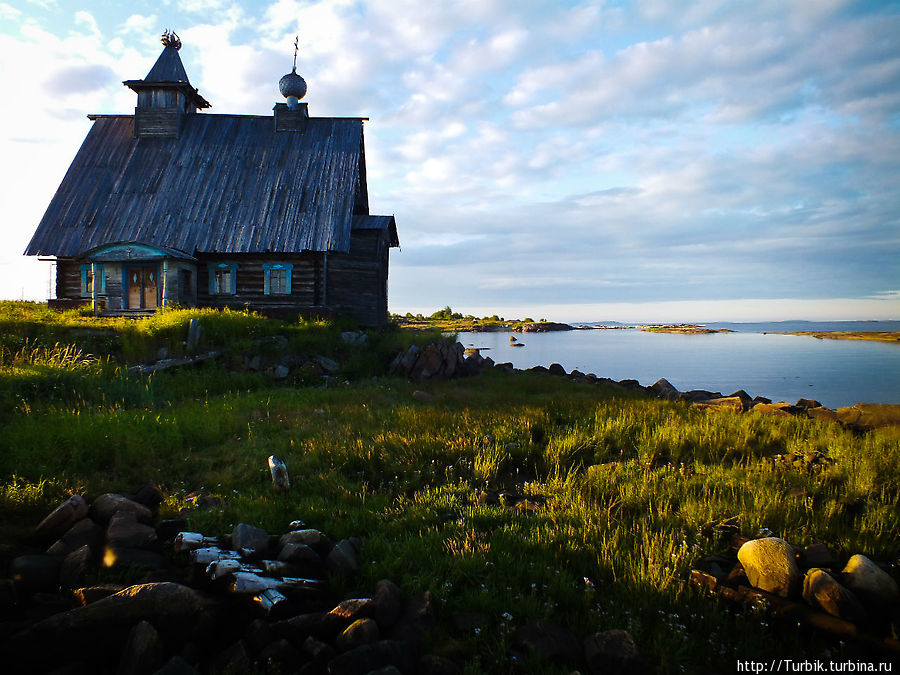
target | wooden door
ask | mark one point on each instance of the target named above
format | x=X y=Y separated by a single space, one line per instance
x=142 y=287
x=149 y=284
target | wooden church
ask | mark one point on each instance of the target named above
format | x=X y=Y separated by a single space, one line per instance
x=171 y=205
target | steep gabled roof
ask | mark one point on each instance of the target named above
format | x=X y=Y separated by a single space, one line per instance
x=168 y=71
x=229 y=183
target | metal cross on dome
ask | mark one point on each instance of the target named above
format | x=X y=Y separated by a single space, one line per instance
x=296 y=48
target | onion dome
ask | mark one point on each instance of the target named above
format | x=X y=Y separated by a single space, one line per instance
x=292 y=85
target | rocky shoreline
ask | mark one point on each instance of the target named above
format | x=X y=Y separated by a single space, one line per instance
x=448 y=360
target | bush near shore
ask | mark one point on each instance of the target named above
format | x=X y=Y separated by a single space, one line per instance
x=627 y=492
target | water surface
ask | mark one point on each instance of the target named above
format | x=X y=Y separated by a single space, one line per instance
x=781 y=367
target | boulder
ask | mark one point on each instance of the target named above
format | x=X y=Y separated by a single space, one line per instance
x=808 y=403
x=664 y=389
x=360 y=632
x=781 y=409
x=62 y=518
x=249 y=537
x=770 y=565
x=35 y=572
x=869 y=582
x=74 y=566
x=299 y=554
x=143 y=652
x=235 y=660
x=820 y=590
x=865 y=416
x=312 y=538
x=125 y=531
x=85 y=531
x=388 y=603
x=344 y=558
x=822 y=413
x=732 y=403
x=373 y=656
x=109 y=504
x=613 y=652
x=549 y=641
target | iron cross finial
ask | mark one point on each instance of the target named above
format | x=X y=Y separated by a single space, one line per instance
x=296 y=48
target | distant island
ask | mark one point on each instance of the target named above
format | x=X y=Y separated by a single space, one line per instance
x=449 y=321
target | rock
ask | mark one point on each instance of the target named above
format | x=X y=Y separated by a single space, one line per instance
x=371 y=657
x=299 y=554
x=354 y=608
x=74 y=567
x=549 y=641
x=89 y=594
x=85 y=531
x=821 y=591
x=770 y=564
x=312 y=538
x=867 y=416
x=35 y=572
x=330 y=366
x=817 y=555
x=808 y=403
x=143 y=651
x=360 y=632
x=125 y=531
x=823 y=413
x=282 y=655
x=344 y=558
x=162 y=603
x=62 y=518
x=109 y=504
x=322 y=625
x=195 y=332
x=150 y=496
x=234 y=661
x=281 y=372
x=177 y=666
x=664 y=389
x=437 y=665
x=258 y=634
x=746 y=399
x=320 y=652
x=869 y=582
x=613 y=652
x=8 y=597
x=123 y=557
x=422 y=395
x=388 y=603
x=279 y=472
x=166 y=530
x=732 y=403
x=778 y=409
x=249 y=537
x=556 y=369
x=355 y=337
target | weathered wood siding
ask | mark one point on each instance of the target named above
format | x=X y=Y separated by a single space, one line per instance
x=357 y=281
x=306 y=282
x=68 y=279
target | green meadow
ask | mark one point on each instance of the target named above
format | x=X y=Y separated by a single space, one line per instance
x=630 y=490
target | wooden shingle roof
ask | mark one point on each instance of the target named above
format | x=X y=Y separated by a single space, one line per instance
x=229 y=183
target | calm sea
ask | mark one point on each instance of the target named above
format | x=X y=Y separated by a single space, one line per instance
x=781 y=367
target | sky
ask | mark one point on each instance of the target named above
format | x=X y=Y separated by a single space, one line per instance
x=638 y=160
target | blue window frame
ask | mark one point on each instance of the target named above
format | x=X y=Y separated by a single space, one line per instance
x=277 y=278
x=222 y=278
x=87 y=280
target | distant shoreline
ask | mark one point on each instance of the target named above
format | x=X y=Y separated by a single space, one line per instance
x=875 y=336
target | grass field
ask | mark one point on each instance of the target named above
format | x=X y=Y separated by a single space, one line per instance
x=633 y=490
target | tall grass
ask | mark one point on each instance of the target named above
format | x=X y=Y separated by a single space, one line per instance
x=633 y=490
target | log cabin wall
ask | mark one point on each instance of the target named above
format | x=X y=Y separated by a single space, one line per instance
x=306 y=282
x=357 y=281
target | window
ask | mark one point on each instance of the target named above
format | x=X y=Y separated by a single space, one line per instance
x=222 y=278
x=277 y=278
x=87 y=280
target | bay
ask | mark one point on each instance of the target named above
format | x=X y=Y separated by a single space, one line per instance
x=780 y=367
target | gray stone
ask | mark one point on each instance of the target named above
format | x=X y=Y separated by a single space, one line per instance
x=869 y=582
x=195 y=332
x=821 y=591
x=388 y=601
x=664 y=389
x=318 y=651
x=85 y=531
x=330 y=366
x=109 y=504
x=125 y=531
x=89 y=594
x=163 y=603
x=143 y=651
x=360 y=632
x=556 y=369
x=35 y=572
x=246 y=536
x=234 y=661
x=354 y=608
x=771 y=565
x=312 y=538
x=344 y=558
x=549 y=641
x=613 y=652
x=299 y=553
x=281 y=372
x=62 y=518
x=74 y=567
x=371 y=657
x=281 y=654
x=177 y=666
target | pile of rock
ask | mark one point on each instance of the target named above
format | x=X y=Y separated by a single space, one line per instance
x=858 y=599
x=438 y=360
x=231 y=604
